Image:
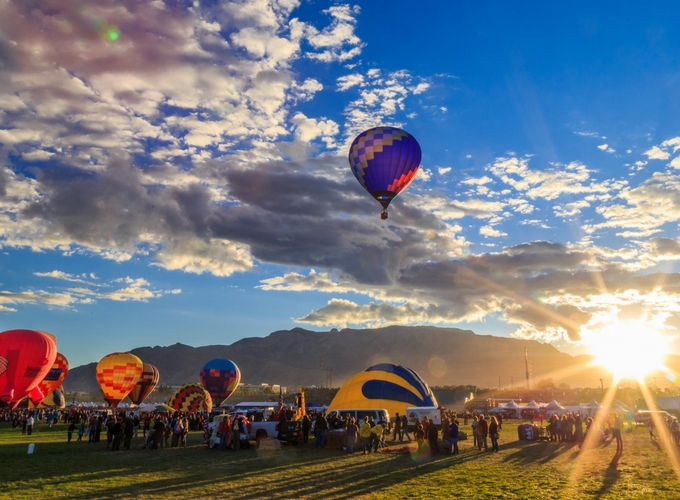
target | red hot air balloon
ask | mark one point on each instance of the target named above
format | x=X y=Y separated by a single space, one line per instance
x=146 y=385
x=53 y=379
x=29 y=355
x=384 y=160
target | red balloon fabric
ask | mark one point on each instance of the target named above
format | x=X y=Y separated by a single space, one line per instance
x=29 y=355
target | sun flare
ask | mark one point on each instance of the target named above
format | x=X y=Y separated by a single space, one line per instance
x=629 y=350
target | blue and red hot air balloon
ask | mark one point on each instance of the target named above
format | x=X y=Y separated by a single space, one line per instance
x=384 y=160
x=220 y=377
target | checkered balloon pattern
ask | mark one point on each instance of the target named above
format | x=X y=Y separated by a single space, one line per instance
x=4 y=363
x=385 y=160
x=117 y=374
x=191 y=398
x=54 y=377
x=220 y=377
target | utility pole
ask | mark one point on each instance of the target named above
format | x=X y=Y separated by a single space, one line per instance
x=322 y=373
x=499 y=382
x=526 y=366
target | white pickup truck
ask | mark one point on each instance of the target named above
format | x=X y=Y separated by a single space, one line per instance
x=253 y=429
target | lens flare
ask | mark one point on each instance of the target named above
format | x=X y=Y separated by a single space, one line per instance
x=629 y=350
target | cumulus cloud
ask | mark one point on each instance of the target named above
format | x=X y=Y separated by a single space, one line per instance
x=605 y=147
x=193 y=155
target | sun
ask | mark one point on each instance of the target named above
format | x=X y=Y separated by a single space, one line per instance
x=629 y=350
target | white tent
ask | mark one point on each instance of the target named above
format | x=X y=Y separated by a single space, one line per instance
x=553 y=407
x=593 y=405
x=531 y=405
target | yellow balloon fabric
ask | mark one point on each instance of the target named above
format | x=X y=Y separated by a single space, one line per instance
x=191 y=398
x=384 y=386
x=117 y=374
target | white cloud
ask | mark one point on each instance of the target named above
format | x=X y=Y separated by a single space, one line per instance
x=490 y=232
x=605 y=147
x=657 y=154
x=348 y=81
x=444 y=170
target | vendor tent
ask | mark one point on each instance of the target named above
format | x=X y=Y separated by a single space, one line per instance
x=531 y=405
x=553 y=407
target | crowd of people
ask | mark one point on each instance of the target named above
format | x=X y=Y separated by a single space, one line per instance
x=367 y=435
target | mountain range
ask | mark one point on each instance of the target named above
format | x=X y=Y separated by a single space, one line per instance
x=292 y=358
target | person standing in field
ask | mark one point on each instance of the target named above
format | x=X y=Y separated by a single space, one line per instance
x=493 y=433
x=306 y=425
x=320 y=430
x=474 y=425
x=365 y=435
x=29 y=424
x=482 y=431
x=352 y=434
x=453 y=437
x=70 y=429
x=397 y=426
x=404 y=429
x=650 y=428
x=419 y=435
x=616 y=432
x=433 y=437
x=128 y=432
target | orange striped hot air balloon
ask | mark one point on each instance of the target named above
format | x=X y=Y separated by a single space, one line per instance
x=117 y=374
x=53 y=379
x=146 y=384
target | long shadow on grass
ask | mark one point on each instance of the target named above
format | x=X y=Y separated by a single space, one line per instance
x=611 y=475
x=539 y=453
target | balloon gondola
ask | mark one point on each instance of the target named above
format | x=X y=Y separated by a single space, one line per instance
x=384 y=160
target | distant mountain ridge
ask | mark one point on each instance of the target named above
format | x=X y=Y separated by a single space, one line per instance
x=292 y=358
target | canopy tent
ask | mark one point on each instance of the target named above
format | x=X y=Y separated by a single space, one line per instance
x=511 y=405
x=593 y=405
x=531 y=405
x=157 y=408
x=553 y=406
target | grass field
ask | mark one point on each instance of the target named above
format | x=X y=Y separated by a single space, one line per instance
x=520 y=470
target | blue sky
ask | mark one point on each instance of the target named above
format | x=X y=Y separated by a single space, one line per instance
x=177 y=171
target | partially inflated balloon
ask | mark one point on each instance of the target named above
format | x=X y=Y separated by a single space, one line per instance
x=54 y=377
x=55 y=399
x=388 y=386
x=117 y=374
x=220 y=377
x=384 y=160
x=27 y=356
x=191 y=397
x=146 y=384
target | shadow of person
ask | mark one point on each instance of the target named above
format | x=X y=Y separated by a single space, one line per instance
x=611 y=475
x=655 y=444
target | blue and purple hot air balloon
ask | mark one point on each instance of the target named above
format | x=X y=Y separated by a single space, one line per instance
x=384 y=160
x=220 y=377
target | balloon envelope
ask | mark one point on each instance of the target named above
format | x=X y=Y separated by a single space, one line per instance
x=391 y=387
x=54 y=377
x=191 y=397
x=384 y=160
x=27 y=356
x=146 y=384
x=117 y=374
x=220 y=377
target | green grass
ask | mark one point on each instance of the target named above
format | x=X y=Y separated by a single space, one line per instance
x=521 y=470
